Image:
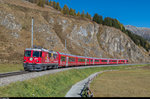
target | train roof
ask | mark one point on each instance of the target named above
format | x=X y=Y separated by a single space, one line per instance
x=67 y=54
x=37 y=49
x=41 y=49
x=88 y=57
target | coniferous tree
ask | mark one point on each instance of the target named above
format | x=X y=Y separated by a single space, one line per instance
x=78 y=14
x=95 y=18
x=98 y=18
x=58 y=6
x=54 y=4
x=51 y=3
x=71 y=11
x=123 y=28
x=116 y=24
x=83 y=14
x=108 y=21
x=66 y=10
x=74 y=12
x=88 y=16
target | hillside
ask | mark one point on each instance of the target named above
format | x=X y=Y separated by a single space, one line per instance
x=144 y=32
x=51 y=29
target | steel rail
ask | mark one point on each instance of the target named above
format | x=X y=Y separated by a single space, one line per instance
x=2 y=75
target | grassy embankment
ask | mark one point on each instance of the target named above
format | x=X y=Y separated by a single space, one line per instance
x=134 y=82
x=10 y=67
x=54 y=85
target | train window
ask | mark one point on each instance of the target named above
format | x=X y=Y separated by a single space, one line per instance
x=81 y=60
x=63 y=58
x=27 y=53
x=36 y=54
x=109 y=60
x=55 y=56
x=103 y=60
x=127 y=60
x=40 y=54
x=91 y=60
x=96 y=60
x=88 y=60
x=71 y=59
x=49 y=55
x=114 y=61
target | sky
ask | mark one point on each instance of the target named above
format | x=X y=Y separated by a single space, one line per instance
x=128 y=12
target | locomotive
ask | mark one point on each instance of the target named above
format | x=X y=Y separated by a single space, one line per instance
x=38 y=59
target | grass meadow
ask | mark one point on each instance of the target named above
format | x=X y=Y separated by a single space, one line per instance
x=131 y=82
x=52 y=85
x=10 y=67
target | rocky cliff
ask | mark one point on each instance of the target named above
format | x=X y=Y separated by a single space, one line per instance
x=51 y=29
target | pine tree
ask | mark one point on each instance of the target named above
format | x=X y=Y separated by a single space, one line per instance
x=98 y=18
x=66 y=10
x=78 y=14
x=54 y=4
x=82 y=14
x=88 y=16
x=74 y=12
x=101 y=19
x=51 y=3
x=108 y=21
x=58 y=6
x=71 y=11
x=95 y=18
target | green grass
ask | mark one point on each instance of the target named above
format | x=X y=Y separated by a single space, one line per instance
x=10 y=67
x=54 y=85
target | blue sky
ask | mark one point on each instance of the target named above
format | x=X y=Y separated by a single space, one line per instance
x=128 y=12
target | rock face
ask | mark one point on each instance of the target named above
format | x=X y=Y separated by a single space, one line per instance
x=51 y=29
x=144 y=32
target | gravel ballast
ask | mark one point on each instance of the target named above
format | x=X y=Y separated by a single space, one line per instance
x=10 y=79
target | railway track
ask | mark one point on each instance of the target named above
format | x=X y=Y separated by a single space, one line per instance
x=2 y=75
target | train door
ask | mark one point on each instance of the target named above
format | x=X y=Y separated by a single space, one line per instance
x=108 y=61
x=93 y=61
x=67 y=61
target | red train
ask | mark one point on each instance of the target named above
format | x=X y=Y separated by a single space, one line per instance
x=36 y=59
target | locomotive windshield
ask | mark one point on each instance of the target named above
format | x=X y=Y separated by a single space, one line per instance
x=37 y=54
x=27 y=53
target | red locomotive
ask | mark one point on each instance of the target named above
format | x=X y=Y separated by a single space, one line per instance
x=37 y=59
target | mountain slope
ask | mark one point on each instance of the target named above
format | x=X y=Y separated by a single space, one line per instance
x=51 y=29
x=144 y=32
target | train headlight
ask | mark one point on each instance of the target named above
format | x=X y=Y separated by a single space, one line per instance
x=31 y=58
